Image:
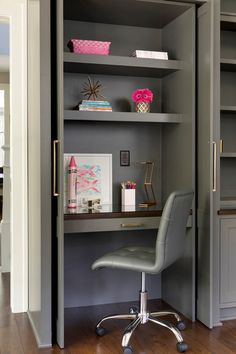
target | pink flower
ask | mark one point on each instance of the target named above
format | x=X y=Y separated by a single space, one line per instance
x=142 y=95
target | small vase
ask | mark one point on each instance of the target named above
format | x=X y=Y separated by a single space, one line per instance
x=142 y=107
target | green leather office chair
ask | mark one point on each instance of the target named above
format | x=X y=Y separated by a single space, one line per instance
x=169 y=247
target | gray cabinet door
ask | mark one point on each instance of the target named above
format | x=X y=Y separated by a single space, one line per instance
x=228 y=261
x=39 y=169
x=208 y=161
x=59 y=171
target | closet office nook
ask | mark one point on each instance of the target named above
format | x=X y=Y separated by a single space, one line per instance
x=165 y=137
x=188 y=138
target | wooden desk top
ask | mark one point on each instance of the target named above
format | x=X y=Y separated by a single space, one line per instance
x=112 y=211
x=227 y=212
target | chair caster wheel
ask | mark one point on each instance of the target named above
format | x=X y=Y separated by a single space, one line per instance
x=181 y=325
x=133 y=310
x=100 y=331
x=127 y=350
x=181 y=347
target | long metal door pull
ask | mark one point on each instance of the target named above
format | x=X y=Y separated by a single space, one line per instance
x=55 y=184
x=214 y=167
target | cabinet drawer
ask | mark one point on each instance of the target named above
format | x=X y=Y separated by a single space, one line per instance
x=113 y=224
x=228 y=261
x=116 y=224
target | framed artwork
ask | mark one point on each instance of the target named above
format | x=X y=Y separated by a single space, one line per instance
x=94 y=177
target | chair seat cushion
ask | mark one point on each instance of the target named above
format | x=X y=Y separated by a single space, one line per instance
x=141 y=259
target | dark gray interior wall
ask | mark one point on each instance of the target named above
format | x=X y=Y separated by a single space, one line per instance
x=227 y=91
x=124 y=39
x=142 y=140
x=228 y=44
x=228 y=6
x=85 y=287
x=116 y=89
x=227 y=126
x=228 y=177
x=178 y=95
x=178 y=154
x=145 y=143
x=154 y=14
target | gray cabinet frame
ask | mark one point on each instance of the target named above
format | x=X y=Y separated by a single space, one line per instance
x=208 y=163
x=175 y=276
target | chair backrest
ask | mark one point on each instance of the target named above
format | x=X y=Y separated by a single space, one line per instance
x=170 y=241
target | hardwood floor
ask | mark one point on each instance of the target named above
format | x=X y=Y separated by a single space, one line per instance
x=16 y=336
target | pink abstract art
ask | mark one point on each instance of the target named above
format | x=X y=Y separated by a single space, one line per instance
x=93 y=178
x=89 y=180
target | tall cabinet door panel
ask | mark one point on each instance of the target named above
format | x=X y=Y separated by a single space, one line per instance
x=39 y=167
x=58 y=181
x=208 y=163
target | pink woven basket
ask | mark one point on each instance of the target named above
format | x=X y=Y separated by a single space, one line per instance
x=89 y=47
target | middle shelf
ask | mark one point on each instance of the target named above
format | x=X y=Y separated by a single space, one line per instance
x=228 y=154
x=120 y=65
x=122 y=117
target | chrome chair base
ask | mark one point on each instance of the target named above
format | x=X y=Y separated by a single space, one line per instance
x=142 y=316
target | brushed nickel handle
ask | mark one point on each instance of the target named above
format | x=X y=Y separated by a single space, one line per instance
x=221 y=146
x=214 y=166
x=132 y=225
x=55 y=144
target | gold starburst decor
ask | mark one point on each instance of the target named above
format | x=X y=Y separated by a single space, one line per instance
x=92 y=89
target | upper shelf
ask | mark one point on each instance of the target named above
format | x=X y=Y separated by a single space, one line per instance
x=145 y=13
x=228 y=109
x=118 y=65
x=228 y=64
x=228 y=21
x=122 y=117
x=228 y=154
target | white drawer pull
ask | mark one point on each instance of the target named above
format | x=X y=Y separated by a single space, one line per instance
x=132 y=225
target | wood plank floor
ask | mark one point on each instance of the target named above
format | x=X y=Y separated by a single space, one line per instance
x=16 y=336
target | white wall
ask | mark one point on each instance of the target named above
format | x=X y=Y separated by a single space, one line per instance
x=15 y=11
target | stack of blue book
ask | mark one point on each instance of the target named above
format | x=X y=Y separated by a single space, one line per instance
x=89 y=105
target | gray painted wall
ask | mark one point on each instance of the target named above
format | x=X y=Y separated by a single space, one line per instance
x=85 y=287
x=145 y=143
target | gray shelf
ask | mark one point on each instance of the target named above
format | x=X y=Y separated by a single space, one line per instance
x=228 y=64
x=227 y=13
x=228 y=154
x=228 y=109
x=228 y=202
x=118 y=65
x=122 y=117
x=153 y=14
x=228 y=22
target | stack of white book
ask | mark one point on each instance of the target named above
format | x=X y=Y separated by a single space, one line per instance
x=150 y=54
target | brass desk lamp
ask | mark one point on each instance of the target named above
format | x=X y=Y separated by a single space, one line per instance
x=151 y=200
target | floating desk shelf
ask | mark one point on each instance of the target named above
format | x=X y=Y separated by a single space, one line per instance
x=228 y=154
x=228 y=64
x=228 y=109
x=122 y=117
x=118 y=65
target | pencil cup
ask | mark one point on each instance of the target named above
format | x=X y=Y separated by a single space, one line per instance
x=128 y=197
